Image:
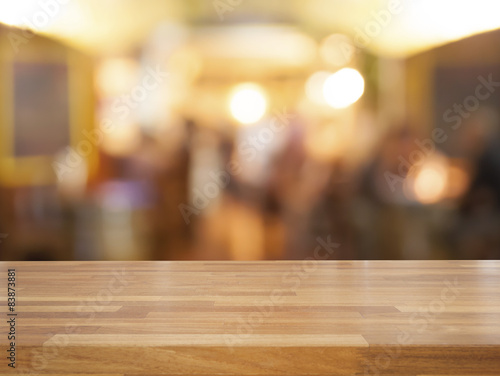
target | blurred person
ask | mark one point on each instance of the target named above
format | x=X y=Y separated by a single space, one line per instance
x=311 y=197
x=476 y=234
x=172 y=237
x=384 y=215
x=330 y=215
x=257 y=230
x=285 y=198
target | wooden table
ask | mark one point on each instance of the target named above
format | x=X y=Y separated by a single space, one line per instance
x=255 y=318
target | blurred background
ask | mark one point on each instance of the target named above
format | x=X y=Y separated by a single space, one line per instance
x=246 y=129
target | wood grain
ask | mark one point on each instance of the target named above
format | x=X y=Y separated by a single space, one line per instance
x=411 y=318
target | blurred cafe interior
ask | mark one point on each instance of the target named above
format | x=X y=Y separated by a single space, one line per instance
x=248 y=129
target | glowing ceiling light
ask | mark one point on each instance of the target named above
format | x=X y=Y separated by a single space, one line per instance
x=248 y=103
x=452 y=19
x=343 y=88
x=15 y=13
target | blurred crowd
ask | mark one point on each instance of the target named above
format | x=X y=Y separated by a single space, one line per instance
x=206 y=197
x=172 y=174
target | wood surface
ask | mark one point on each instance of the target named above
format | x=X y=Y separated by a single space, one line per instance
x=255 y=318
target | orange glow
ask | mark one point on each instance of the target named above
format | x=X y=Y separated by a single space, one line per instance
x=431 y=181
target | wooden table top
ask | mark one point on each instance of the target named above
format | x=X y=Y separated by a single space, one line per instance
x=254 y=318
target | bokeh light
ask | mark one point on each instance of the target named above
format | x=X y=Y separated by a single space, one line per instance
x=248 y=103
x=343 y=88
x=431 y=181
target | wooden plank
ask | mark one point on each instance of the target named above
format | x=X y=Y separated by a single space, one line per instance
x=411 y=318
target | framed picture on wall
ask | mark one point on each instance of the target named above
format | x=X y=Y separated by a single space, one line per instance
x=41 y=123
x=46 y=102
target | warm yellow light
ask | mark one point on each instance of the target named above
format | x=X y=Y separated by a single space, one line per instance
x=343 y=88
x=248 y=103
